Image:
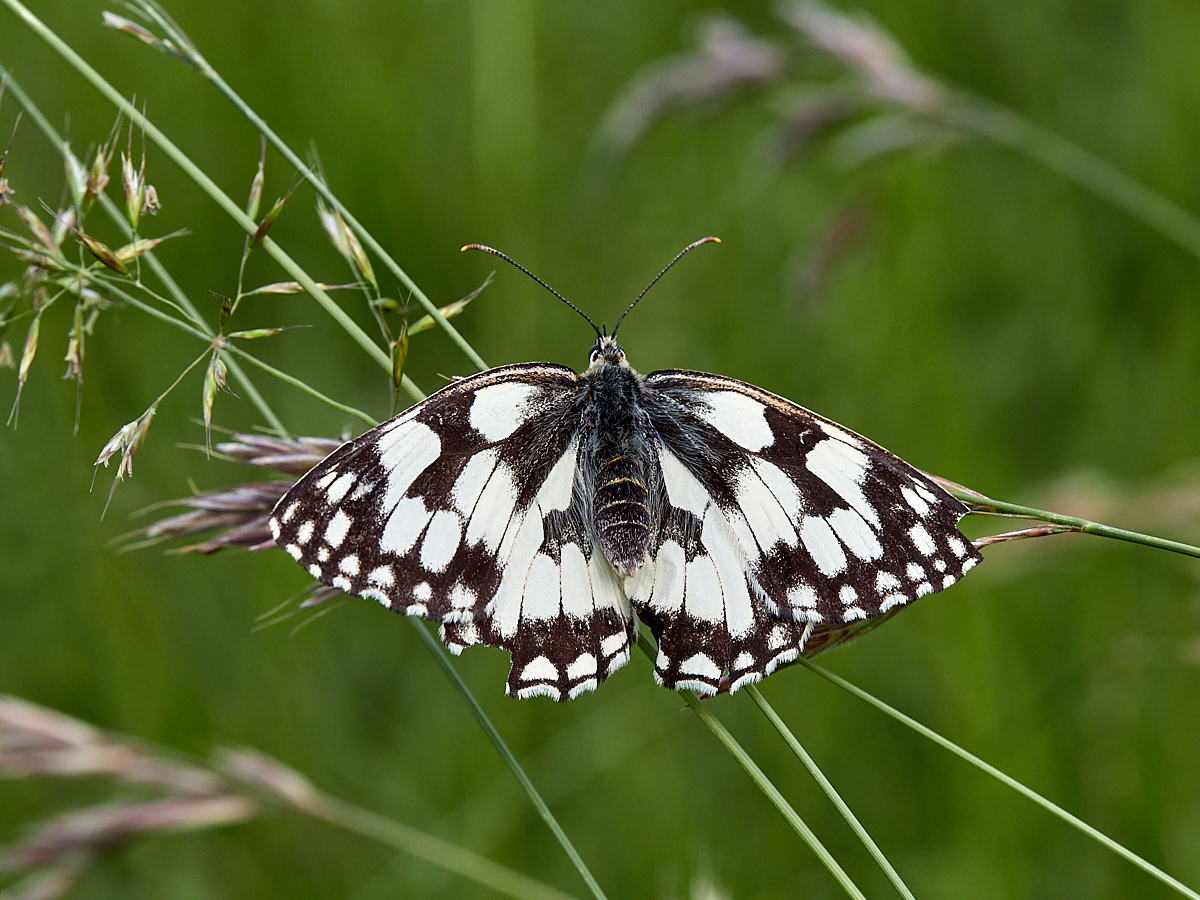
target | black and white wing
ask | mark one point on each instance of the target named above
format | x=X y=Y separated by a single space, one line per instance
x=465 y=510
x=779 y=532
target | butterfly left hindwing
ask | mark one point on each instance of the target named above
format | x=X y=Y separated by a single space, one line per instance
x=536 y=509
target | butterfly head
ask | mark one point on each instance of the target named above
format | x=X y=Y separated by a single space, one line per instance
x=606 y=352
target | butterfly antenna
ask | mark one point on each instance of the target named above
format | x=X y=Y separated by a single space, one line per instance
x=508 y=259
x=666 y=268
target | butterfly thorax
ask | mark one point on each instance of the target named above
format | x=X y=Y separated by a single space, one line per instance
x=616 y=440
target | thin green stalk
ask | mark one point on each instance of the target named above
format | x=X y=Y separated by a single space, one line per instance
x=1057 y=153
x=209 y=187
x=1028 y=793
x=439 y=654
x=987 y=506
x=319 y=185
x=761 y=781
x=830 y=791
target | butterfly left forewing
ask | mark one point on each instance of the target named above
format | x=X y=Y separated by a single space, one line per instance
x=794 y=523
x=465 y=510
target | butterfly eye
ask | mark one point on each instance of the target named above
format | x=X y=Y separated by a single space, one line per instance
x=595 y=357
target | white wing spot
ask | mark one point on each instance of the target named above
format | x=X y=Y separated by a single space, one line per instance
x=327 y=479
x=441 y=540
x=855 y=533
x=583 y=666
x=922 y=540
x=924 y=588
x=422 y=592
x=892 y=600
x=338 y=528
x=294 y=552
x=289 y=512
x=314 y=570
x=555 y=492
x=915 y=500
x=304 y=532
x=404 y=454
x=915 y=572
x=462 y=597
x=383 y=576
x=404 y=526
x=852 y=613
x=323 y=555
x=471 y=481
x=700 y=664
x=847 y=595
x=669 y=568
x=341 y=582
x=683 y=490
x=744 y=661
x=416 y=609
x=843 y=468
x=957 y=546
x=336 y=491
x=822 y=545
x=948 y=580
x=614 y=643
x=540 y=669
x=499 y=409
x=494 y=511
x=731 y=570
x=939 y=564
x=576 y=583
x=362 y=489
x=886 y=581
x=349 y=565
x=740 y=418
x=802 y=596
x=702 y=595
x=542 y=590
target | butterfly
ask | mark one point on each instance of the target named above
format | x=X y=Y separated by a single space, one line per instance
x=547 y=512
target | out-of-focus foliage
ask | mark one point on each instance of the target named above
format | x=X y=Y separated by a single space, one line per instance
x=966 y=308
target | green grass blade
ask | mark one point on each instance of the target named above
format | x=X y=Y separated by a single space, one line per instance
x=761 y=781
x=988 y=506
x=439 y=654
x=830 y=791
x=206 y=70
x=1006 y=780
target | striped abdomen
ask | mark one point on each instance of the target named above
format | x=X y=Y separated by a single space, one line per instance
x=621 y=515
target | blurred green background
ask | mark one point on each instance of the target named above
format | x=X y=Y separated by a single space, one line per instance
x=980 y=316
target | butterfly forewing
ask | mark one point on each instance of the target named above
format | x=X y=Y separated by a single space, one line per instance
x=778 y=523
x=466 y=510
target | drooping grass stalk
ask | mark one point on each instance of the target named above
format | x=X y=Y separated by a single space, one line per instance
x=830 y=791
x=989 y=119
x=760 y=779
x=1004 y=779
x=438 y=652
x=987 y=506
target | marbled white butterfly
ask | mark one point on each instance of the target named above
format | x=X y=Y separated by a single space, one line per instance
x=546 y=512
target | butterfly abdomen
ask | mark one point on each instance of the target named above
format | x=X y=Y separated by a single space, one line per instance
x=621 y=513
